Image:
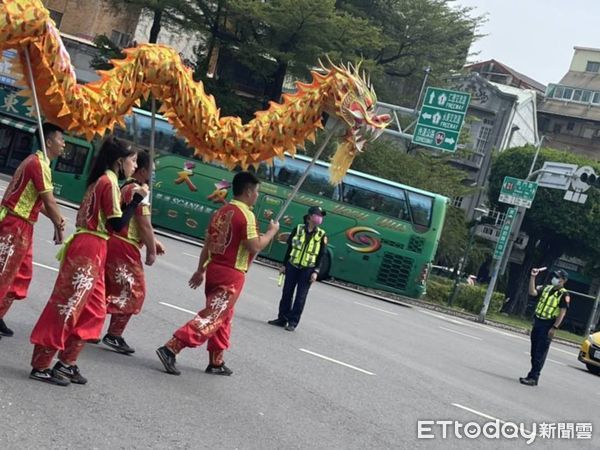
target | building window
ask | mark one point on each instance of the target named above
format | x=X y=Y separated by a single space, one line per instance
x=567 y=94
x=557 y=128
x=570 y=126
x=457 y=202
x=483 y=137
x=593 y=66
x=577 y=95
x=120 y=39
x=558 y=92
x=585 y=96
x=588 y=132
x=56 y=16
x=596 y=98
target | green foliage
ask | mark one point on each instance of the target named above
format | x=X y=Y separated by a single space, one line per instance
x=470 y=298
x=172 y=14
x=294 y=34
x=571 y=228
x=107 y=51
x=415 y=34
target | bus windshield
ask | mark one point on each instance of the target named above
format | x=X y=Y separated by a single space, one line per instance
x=379 y=197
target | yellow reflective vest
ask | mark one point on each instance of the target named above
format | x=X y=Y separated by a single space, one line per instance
x=305 y=249
x=547 y=306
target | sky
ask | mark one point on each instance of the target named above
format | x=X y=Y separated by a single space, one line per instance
x=535 y=37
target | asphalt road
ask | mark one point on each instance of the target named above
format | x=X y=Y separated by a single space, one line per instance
x=357 y=373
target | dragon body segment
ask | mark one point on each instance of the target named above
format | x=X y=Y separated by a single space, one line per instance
x=96 y=107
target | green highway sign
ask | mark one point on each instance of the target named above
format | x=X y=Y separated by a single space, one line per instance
x=441 y=119
x=505 y=233
x=518 y=192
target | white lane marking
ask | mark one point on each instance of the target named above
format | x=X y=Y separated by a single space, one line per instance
x=462 y=334
x=551 y=360
x=273 y=278
x=441 y=317
x=503 y=333
x=45 y=267
x=190 y=255
x=177 y=307
x=336 y=361
x=376 y=309
x=480 y=414
x=574 y=355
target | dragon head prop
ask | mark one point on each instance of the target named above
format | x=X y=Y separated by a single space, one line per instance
x=351 y=99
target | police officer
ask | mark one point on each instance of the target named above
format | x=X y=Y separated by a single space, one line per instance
x=550 y=311
x=306 y=245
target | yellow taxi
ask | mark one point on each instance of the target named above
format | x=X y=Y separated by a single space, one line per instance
x=589 y=353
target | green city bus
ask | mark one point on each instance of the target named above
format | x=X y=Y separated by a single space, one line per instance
x=382 y=235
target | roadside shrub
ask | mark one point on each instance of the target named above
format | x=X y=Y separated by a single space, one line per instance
x=469 y=298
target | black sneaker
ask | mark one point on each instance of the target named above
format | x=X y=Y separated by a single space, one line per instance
x=117 y=343
x=70 y=373
x=277 y=322
x=219 y=370
x=528 y=381
x=4 y=330
x=290 y=327
x=48 y=376
x=167 y=357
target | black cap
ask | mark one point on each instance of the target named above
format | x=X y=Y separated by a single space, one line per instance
x=316 y=210
x=561 y=274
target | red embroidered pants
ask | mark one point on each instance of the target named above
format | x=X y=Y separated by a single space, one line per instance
x=76 y=309
x=213 y=323
x=16 y=248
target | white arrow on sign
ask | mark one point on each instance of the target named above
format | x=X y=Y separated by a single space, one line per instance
x=426 y=116
x=432 y=98
x=442 y=99
x=450 y=141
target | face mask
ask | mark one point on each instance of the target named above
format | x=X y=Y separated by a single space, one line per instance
x=555 y=281
x=318 y=220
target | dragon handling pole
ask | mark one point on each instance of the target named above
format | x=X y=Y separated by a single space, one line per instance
x=328 y=137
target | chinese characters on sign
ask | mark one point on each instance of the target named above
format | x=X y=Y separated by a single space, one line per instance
x=441 y=119
x=505 y=233
x=517 y=192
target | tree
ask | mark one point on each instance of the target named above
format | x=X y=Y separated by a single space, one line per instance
x=173 y=13
x=555 y=226
x=288 y=36
x=416 y=34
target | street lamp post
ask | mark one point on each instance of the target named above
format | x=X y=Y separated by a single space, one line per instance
x=478 y=213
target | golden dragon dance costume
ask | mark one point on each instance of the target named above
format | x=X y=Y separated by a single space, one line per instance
x=94 y=108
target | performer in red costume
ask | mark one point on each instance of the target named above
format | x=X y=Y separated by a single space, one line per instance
x=28 y=194
x=76 y=309
x=125 y=283
x=231 y=242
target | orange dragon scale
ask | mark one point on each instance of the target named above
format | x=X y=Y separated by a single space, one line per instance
x=93 y=108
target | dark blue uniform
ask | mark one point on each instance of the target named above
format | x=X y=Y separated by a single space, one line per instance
x=297 y=278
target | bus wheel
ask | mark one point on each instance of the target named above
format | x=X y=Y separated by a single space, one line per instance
x=325 y=267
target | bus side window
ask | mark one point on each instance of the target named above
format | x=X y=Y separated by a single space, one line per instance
x=73 y=159
x=264 y=172
x=369 y=195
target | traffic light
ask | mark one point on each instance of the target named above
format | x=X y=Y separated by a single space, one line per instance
x=590 y=178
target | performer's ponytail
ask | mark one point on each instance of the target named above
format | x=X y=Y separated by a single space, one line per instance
x=111 y=150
